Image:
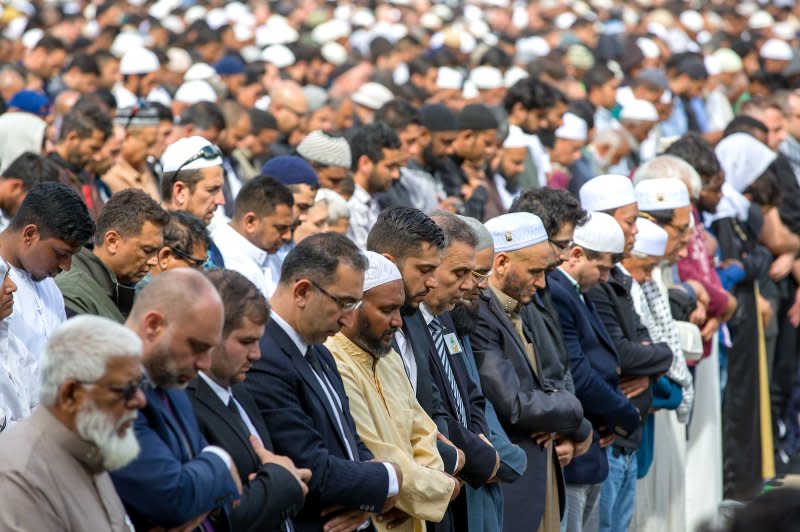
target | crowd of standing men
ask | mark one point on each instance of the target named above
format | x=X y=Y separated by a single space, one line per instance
x=471 y=266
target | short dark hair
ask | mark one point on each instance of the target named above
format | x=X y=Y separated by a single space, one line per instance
x=84 y=122
x=661 y=217
x=164 y=113
x=371 y=140
x=50 y=44
x=497 y=57
x=597 y=76
x=398 y=114
x=454 y=229
x=86 y=63
x=555 y=207
x=420 y=65
x=696 y=151
x=401 y=231
x=188 y=177
x=380 y=47
x=532 y=94
x=32 y=169
x=261 y=120
x=58 y=212
x=261 y=195
x=240 y=299
x=126 y=213
x=764 y=190
x=744 y=124
x=318 y=256
x=203 y=115
x=185 y=230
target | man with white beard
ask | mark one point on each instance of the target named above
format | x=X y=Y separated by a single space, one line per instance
x=91 y=389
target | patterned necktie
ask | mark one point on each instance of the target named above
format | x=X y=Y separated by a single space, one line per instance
x=436 y=329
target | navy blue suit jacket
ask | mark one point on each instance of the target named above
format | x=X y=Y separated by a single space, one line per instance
x=595 y=371
x=303 y=427
x=168 y=484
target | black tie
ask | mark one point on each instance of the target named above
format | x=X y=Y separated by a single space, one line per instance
x=236 y=416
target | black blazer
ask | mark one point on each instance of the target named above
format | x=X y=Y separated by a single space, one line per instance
x=303 y=427
x=274 y=495
x=524 y=405
x=480 y=457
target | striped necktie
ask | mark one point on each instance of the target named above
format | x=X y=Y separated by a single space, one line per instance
x=436 y=329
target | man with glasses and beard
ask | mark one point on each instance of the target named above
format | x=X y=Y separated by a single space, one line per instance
x=90 y=393
x=388 y=417
x=178 y=480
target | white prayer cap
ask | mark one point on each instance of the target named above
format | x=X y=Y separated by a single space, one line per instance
x=651 y=239
x=127 y=40
x=692 y=20
x=516 y=230
x=743 y=159
x=234 y=10
x=15 y=29
x=330 y=31
x=530 y=48
x=661 y=194
x=32 y=37
x=173 y=23
x=600 y=233
x=486 y=77
x=194 y=91
x=242 y=32
x=605 y=192
x=513 y=75
x=469 y=91
x=641 y=110
x=565 y=20
x=449 y=78
x=712 y=65
x=334 y=53
x=278 y=55
x=380 y=271
x=194 y=13
x=216 y=18
x=729 y=61
x=200 y=71
x=276 y=31
x=179 y=60
x=573 y=128
x=372 y=95
x=363 y=17
x=746 y=9
x=777 y=50
x=516 y=139
x=138 y=61
x=184 y=149
x=431 y=21
x=321 y=148
x=760 y=20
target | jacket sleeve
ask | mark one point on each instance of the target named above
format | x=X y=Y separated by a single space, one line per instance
x=334 y=480
x=165 y=491
x=269 y=499
x=599 y=399
x=526 y=410
x=635 y=358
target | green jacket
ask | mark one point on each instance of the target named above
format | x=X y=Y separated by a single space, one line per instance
x=89 y=287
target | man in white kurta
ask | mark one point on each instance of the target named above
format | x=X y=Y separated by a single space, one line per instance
x=389 y=420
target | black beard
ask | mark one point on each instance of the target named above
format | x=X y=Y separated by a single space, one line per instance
x=547 y=136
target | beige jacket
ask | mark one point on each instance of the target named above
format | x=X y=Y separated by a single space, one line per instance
x=50 y=479
x=122 y=175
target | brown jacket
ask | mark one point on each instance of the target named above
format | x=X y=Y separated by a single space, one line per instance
x=122 y=175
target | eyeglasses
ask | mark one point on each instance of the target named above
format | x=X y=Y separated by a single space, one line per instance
x=194 y=261
x=126 y=392
x=207 y=152
x=344 y=305
x=481 y=277
x=562 y=245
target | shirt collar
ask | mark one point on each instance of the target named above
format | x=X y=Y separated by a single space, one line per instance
x=294 y=336
x=426 y=313
x=224 y=394
x=571 y=279
x=361 y=195
x=253 y=252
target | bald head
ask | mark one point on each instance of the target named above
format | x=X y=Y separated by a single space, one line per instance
x=65 y=101
x=174 y=290
x=288 y=93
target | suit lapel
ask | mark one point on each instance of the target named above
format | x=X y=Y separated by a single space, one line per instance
x=246 y=400
x=304 y=369
x=178 y=436
x=425 y=353
x=505 y=323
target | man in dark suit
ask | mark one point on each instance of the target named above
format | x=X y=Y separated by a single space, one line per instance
x=228 y=416
x=178 y=480
x=593 y=361
x=301 y=396
x=410 y=239
x=508 y=362
x=445 y=357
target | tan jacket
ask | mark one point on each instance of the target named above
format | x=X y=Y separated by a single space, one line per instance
x=50 y=479
x=122 y=175
x=394 y=427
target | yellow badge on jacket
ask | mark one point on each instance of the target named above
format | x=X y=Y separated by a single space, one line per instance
x=451 y=341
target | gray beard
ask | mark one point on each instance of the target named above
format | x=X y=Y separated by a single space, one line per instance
x=95 y=426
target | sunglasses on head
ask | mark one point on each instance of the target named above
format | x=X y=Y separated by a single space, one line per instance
x=207 y=152
x=194 y=261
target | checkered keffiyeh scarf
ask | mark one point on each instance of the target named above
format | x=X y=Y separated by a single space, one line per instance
x=658 y=319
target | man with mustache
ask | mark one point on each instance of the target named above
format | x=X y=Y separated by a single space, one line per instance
x=103 y=280
x=178 y=480
x=274 y=488
x=389 y=419
x=90 y=393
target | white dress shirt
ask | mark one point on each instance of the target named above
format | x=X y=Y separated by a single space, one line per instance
x=335 y=401
x=38 y=311
x=364 y=211
x=244 y=257
x=406 y=352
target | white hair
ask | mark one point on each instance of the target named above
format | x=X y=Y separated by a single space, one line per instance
x=669 y=166
x=79 y=349
x=337 y=205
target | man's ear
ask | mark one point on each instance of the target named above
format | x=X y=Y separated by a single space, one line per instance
x=163 y=256
x=30 y=234
x=68 y=396
x=112 y=241
x=301 y=290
